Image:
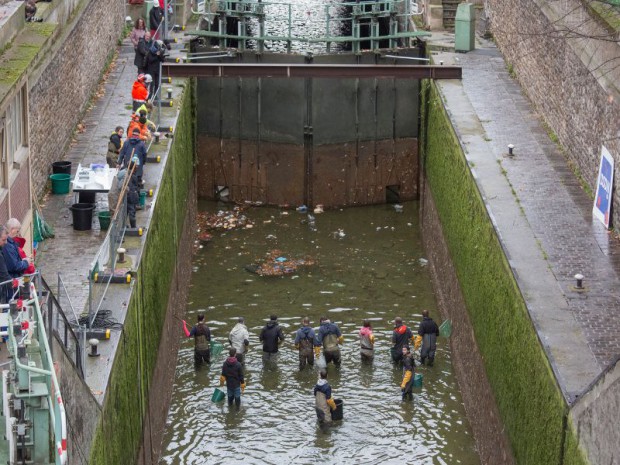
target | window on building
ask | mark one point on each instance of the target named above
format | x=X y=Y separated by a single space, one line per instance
x=13 y=131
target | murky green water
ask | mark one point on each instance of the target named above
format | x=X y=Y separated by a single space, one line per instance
x=376 y=271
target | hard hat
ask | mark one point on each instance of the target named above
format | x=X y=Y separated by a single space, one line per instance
x=140 y=77
x=135 y=160
x=148 y=78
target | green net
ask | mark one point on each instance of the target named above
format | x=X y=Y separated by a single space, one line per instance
x=216 y=348
x=42 y=230
x=445 y=330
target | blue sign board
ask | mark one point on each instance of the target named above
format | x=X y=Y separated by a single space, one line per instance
x=602 y=201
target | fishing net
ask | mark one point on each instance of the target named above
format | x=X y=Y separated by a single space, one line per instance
x=42 y=230
x=216 y=348
x=445 y=330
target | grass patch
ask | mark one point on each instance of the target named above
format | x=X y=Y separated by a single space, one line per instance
x=511 y=71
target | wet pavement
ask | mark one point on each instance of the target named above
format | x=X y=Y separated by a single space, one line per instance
x=542 y=215
x=70 y=254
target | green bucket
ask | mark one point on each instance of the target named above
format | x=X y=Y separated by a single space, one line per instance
x=216 y=348
x=417 y=380
x=104 y=220
x=218 y=395
x=142 y=198
x=60 y=183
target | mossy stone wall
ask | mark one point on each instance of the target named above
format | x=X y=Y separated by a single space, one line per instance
x=126 y=407
x=528 y=397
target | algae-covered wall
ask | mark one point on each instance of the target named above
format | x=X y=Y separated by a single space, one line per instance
x=126 y=407
x=528 y=398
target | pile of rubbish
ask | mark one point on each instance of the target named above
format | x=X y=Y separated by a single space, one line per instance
x=275 y=264
x=223 y=219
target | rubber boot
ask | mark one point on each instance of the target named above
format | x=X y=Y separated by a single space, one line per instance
x=230 y=401
x=238 y=402
x=132 y=223
x=430 y=361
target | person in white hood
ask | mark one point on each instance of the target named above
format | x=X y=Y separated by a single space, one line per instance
x=239 y=338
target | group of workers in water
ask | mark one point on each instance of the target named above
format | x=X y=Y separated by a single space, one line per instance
x=324 y=342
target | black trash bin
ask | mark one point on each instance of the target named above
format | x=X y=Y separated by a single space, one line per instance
x=61 y=167
x=337 y=414
x=87 y=197
x=82 y=216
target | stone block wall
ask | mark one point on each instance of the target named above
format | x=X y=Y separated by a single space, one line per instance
x=595 y=417
x=572 y=79
x=62 y=83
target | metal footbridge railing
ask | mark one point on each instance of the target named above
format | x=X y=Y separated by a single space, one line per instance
x=347 y=22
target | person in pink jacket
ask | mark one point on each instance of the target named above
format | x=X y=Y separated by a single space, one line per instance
x=367 y=342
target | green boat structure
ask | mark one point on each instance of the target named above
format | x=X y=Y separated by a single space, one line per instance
x=34 y=424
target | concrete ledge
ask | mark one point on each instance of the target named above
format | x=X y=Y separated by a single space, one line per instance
x=12 y=20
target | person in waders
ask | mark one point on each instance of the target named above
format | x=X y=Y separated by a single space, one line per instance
x=232 y=375
x=239 y=338
x=324 y=402
x=271 y=336
x=202 y=340
x=406 y=387
x=400 y=338
x=328 y=336
x=304 y=341
x=427 y=336
x=367 y=342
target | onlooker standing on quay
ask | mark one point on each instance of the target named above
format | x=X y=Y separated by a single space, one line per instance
x=5 y=277
x=16 y=266
x=156 y=17
x=137 y=33
x=114 y=147
x=142 y=49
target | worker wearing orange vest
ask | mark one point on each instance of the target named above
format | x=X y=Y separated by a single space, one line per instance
x=140 y=123
x=140 y=90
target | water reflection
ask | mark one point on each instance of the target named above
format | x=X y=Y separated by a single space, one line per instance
x=374 y=272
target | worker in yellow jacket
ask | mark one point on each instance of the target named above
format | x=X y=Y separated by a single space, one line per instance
x=406 y=387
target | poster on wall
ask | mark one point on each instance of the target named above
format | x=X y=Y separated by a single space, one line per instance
x=602 y=201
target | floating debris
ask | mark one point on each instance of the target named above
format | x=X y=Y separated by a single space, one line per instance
x=223 y=219
x=340 y=234
x=276 y=264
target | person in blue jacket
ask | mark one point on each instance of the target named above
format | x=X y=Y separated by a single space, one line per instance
x=328 y=336
x=15 y=265
x=133 y=147
x=304 y=341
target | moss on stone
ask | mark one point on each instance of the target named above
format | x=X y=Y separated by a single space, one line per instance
x=42 y=29
x=118 y=436
x=529 y=399
x=16 y=61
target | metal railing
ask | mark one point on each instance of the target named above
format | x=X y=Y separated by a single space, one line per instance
x=328 y=26
x=57 y=323
x=103 y=266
